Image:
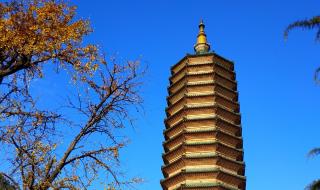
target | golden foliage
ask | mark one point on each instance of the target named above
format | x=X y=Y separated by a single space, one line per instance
x=37 y=31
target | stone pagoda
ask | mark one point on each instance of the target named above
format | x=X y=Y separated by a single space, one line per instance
x=203 y=136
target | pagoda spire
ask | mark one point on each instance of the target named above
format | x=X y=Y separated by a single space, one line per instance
x=202 y=46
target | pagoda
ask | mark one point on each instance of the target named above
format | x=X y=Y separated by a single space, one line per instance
x=203 y=136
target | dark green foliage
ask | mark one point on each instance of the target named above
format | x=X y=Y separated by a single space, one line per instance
x=315 y=185
x=309 y=24
x=312 y=23
x=314 y=152
x=5 y=184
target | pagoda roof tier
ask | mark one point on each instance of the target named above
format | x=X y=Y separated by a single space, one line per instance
x=202 y=130
x=215 y=133
x=184 y=84
x=214 y=95
x=211 y=110
x=205 y=186
x=199 y=159
x=204 y=146
x=214 y=67
x=217 y=88
x=218 y=111
x=217 y=173
x=214 y=76
x=203 y=105
x=215 y=118
x=186 y=59
x=204 y=155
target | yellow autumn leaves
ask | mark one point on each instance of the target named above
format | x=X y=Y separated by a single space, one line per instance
x=45 y=31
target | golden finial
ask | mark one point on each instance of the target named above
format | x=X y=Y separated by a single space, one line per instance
x=201 y=46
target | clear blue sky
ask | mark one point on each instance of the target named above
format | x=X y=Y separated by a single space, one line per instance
x=279 y=100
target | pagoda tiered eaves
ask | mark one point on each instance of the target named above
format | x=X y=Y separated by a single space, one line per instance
x=203 y=146
x=203 y=143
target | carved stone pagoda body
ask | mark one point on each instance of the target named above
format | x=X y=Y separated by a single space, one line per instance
x=203 y=139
